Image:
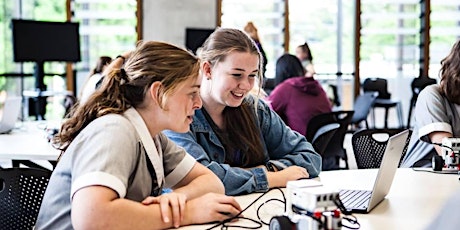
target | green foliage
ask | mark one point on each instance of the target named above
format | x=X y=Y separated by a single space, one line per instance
x=50 y=10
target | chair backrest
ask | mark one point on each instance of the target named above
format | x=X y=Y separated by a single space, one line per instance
x=323 y=136
x=379 y=85
x=419 y=83
x=21 y=193
x=369 y=146
x=362 y=106
x=335 y=147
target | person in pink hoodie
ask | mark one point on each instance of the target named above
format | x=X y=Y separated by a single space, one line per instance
x=297 y=98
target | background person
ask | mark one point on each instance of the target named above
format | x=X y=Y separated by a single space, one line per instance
x=251 y=30
x=298 y=98
x=96 y=74
x=236 y=135
x=116 y=160
x=303 y=52
x=437 y=113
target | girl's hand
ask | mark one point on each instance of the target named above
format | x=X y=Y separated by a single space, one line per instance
x=211 y=207
x=280 y=178
x=169 y=203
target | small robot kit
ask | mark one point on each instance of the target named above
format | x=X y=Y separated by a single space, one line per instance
x=309 y=207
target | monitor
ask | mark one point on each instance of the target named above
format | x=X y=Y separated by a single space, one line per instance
x=40 y=41
x=195 y=37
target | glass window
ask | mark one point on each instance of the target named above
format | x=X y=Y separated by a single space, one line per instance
x=107 y=27
x=327 y=26
x=11 y=72
x=389 y=38
x=267 y=16
x=444 y=32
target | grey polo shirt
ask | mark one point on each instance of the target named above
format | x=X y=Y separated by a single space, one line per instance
x=433 y=112
x=112 y=152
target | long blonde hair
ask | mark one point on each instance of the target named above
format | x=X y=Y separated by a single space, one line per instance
x=240 y=122
x=124 y=88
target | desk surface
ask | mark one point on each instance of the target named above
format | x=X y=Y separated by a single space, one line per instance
x=27 y=142
x=413 y=202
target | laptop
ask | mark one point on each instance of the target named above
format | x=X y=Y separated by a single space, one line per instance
x=10 y=114
x=363 y=201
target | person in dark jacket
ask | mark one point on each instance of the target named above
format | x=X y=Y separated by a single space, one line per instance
x=297 y=98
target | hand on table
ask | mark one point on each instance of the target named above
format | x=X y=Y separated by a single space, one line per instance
x=169 y=201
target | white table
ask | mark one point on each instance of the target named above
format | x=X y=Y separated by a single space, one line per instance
x=413 y=202
x=27 y=142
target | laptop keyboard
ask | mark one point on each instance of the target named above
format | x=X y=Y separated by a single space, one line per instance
x=355 y=199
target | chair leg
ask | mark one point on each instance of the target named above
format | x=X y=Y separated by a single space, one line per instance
x=373 y=118
x=400 y=115
x=409 y=116
x=386 y=118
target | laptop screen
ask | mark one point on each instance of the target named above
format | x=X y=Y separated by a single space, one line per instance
x=10 y=114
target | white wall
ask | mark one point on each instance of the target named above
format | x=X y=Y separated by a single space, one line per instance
x=166 y=20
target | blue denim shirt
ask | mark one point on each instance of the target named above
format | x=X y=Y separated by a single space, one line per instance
x=283 y=147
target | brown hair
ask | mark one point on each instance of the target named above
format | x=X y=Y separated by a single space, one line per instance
x=125 y=88
x=101 y=62
x=306 y=49
x=449 y=74
x=251 y=29
x=240 y=122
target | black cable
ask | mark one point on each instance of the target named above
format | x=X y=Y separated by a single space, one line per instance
x=269 y=200
x=443 y=146
x=338 y=202
x=226 y=226
x=432 y=171
x=260 y=206
x=354 y=221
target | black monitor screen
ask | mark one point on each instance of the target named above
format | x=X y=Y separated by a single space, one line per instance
x=194 y=37
x=41 y=41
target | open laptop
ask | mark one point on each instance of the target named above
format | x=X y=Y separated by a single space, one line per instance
x=363 y=201
x=10 y=114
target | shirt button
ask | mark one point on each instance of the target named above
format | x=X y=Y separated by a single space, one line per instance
x=215 y=155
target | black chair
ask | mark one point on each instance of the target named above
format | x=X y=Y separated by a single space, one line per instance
x=321 y=137
x=362 y=106
x=334 y=151
x=21 y=193
x=417 y=85
x=369 y=146
x=383 y=100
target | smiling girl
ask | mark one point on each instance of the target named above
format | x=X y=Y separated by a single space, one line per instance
x=235 y=134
